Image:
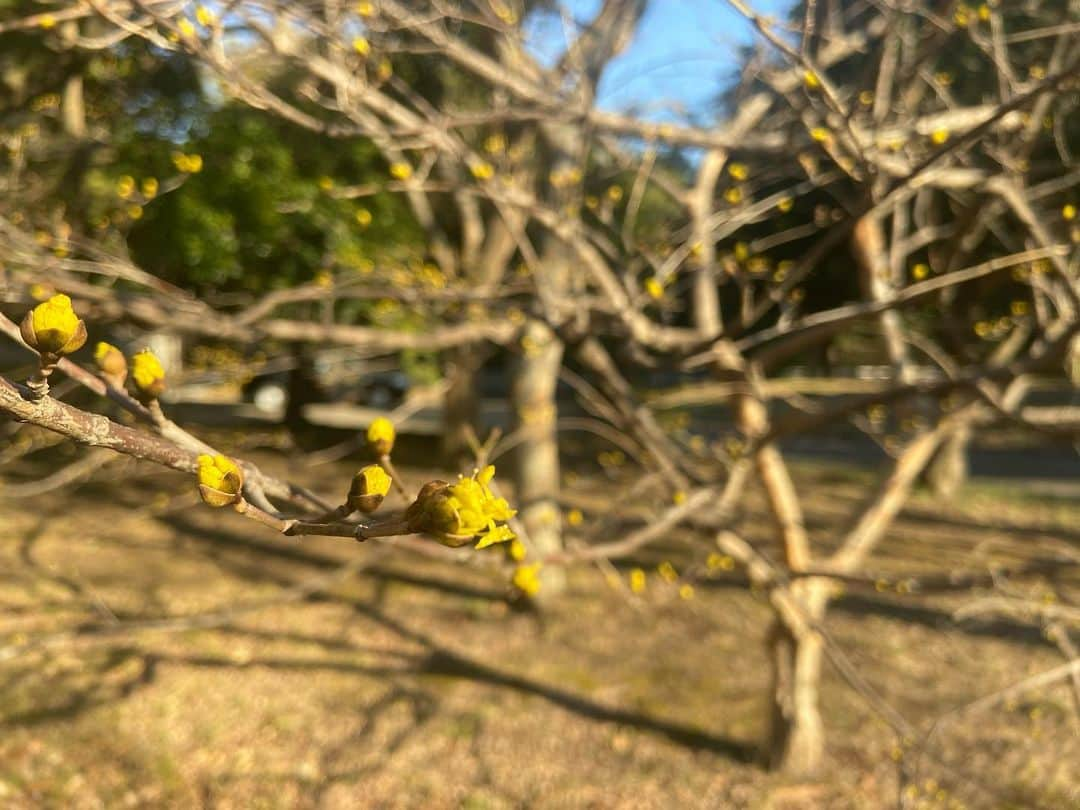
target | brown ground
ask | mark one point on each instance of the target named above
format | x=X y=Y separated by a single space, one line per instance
x=413 y=684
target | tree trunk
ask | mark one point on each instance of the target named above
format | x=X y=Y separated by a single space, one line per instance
x=461 y=405
x=947 y=471
x=796 y=744
x=537 y=456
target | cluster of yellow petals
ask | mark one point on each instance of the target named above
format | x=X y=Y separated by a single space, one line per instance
x=52 y=327
x=148 y=374
x=464 y=511
x=220 y=480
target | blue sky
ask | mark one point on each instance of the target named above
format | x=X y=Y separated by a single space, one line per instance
x=677 y=64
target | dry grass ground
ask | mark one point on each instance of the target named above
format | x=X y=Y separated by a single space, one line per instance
x=413 y=684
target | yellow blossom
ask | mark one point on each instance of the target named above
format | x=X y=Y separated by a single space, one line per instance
x=400 y=171
x=361 y=46
x=53 y=328
x=820 y=134
x=939 y=136
x=518 y=552
x=733 y=195
x=1018 y=308
x=47 y=21
x=187 y=28
x=785 y=204
x=866 y=98
x=495 y=144
x=125 y=186
x=150 y=187
x=742 y=251
x=1068 y=212
x=637 y=580
x=574 y=517
x=614 y=193
x=326 y=183
x=458 y=513
x=369 y=487
x=111 y=362
x=204 y=16
x=738 y=171
x=220 y=480
x=920 y=271
x=148 y=375
x=482 y=170
x=135 y=211
x=365 y=9
x=811 y=80
x=686 y=591
x=654 y=288
x=380 y=436
x=527 y=579
x=363 y=217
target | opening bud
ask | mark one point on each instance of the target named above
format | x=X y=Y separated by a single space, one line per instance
x=53 y=328
x=381 y=436
x=369 y=487
x=220 y=480
x=148 y=375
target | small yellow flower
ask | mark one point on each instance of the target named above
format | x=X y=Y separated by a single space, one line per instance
x=111 y=362
x=149 y=187
x=380 y=436
x=400 y=171
x=939 y=136
x=1068 y=212
x=738 y=171
x=363 y=217
x=820 y=134
x=53 y=328
x=1018 y=308
x=984 y=12
x=614 y=193
x=733 y=195
x=667 y=571
x=654 y=288
x=574 y=517
x=204 y=16
x=518 y=552
x=361 y=46
x=983 y=328
x=495 y=144
x=637 y=580
x=135 y=211
x=686 y=591
x=482 y=170
x=962 y=16
x=463 y=512
x=47 y=21
x=326 y=183
x=220 y=480
x=811 y=80
x=527 y=579
x=679 y=497
x=369 y=488
x=866 y=98
x=741 y=251
x=920 y=271
x=125 y=186
x=187 y=28
x=148 y=375
x=785 y=204
x=365 y=9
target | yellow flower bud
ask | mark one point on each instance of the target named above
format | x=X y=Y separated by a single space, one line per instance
x=361 y=46
x=738 y=171
x=654 y=288
x=53 y=328
x=220 y=480
x=363 y=217
x=369 y=487
x=811 y=80
x=637 y=580
x=111 y=362
x=204 y=16
x=527 y=579
x=381 y=436
x=1068 y=212
x=400 y=171
x=148 y=375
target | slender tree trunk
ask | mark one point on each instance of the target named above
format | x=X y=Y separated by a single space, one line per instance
x=461 y=404
x=796 y=744
x=537 y=456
